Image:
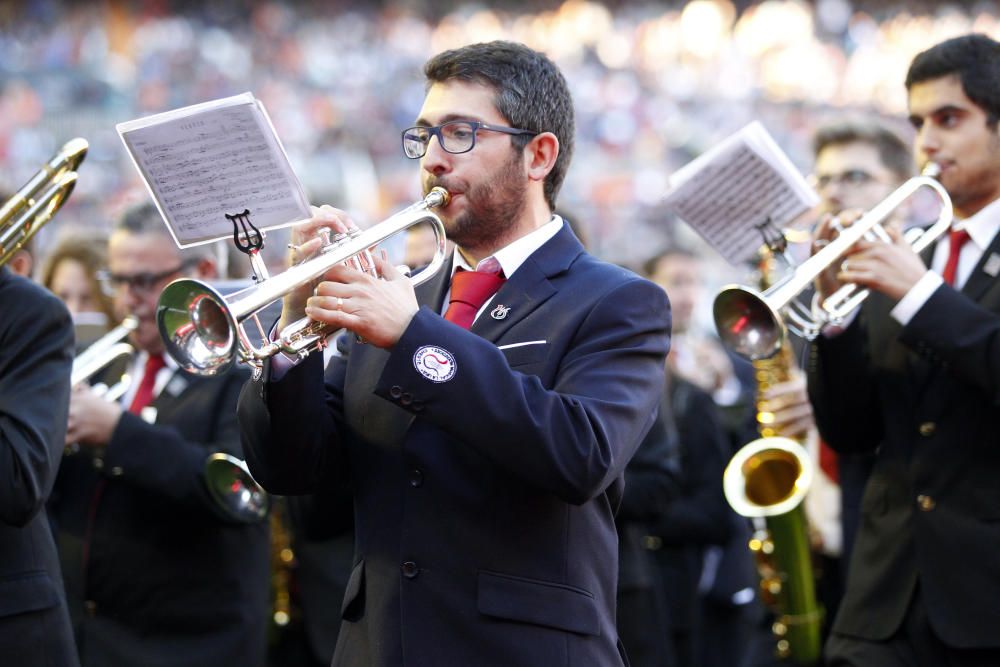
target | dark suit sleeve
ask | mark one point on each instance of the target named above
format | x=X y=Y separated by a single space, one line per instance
x=700 y=515
x=653 y=476
x=36 y=347
x=953 y=331
x=289 y=426
x=159 y=458
x=843 y=390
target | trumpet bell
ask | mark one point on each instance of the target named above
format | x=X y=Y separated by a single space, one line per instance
x=234 y=489
x=197 y=328
x=746 y=322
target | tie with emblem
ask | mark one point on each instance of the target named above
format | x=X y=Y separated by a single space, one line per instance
x=957 y=239
x=471 y=289
x=144 y=395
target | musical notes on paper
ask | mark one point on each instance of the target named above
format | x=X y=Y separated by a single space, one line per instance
x=202 y=162
x=729 y=192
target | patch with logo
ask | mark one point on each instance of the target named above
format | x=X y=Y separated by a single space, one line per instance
x=435 y=363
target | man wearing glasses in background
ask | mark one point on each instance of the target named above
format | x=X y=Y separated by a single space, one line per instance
x=858 y=163
x=485 y=426
x=155 y=573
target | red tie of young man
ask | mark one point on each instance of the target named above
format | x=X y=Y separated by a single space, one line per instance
x=957 y=238
x=144 y=396
x=470 y=290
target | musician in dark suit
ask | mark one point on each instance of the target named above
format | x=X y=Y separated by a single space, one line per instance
x=156 y=574
x=486 y=463
x=36 y=352
x=917 y=374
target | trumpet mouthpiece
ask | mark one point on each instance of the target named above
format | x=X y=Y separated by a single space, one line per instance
x=438 y=196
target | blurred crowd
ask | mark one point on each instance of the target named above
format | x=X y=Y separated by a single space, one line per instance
x=654 y=85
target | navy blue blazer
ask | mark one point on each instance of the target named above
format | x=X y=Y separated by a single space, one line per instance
x=36 y=353
x=486 y=465
x=927 y=396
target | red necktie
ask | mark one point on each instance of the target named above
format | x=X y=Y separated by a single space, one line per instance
x=828 y=462
x=144 y=396
x=470 y=290
x=957 y=238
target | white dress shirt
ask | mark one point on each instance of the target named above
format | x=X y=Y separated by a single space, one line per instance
x=982 y=227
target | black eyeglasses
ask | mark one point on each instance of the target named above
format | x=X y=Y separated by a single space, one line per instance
x=456 y=136
x=853 y=177
x=139 y=282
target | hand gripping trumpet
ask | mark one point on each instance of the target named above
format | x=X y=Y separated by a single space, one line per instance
x=752 y=323
x=203 y=330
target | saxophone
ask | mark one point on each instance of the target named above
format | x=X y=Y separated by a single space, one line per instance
x=767 y=480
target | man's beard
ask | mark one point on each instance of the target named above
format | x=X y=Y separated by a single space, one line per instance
x=492 y=207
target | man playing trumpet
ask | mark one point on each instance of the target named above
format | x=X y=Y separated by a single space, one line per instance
x=155 y=574
x=916 y=374
x=485 y=448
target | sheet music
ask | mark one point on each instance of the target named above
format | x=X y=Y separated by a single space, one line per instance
x=727 y=193
x=204 y=161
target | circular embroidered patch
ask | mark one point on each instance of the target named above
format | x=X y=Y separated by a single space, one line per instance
x=435 y=363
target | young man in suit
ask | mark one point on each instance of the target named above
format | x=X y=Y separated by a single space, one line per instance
x=156 y=574
x=36 y=353
x=485 y=454
x=917 y=375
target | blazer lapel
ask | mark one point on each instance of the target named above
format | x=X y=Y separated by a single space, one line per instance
x=529 y=287
x=167 y=400
x=982 y=283
x=431 y=293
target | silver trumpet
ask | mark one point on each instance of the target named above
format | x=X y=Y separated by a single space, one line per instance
x=203 y=330
x=234 y=489
x=101 y=354
x=752 y=323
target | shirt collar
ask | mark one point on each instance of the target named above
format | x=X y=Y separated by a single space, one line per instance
x=513 y=255
x=982 y=226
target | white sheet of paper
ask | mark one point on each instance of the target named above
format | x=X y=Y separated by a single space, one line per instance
x=728 y=192
x=207 y=160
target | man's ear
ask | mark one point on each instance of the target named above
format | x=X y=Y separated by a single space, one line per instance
x=22 y=263
x=540 y=155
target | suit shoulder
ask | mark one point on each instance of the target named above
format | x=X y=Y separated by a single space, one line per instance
x=26 y=301
x=605 y=277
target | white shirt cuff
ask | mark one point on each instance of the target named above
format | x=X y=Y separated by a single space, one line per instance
x=915 y=299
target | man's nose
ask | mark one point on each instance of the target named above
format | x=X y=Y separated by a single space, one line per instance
x=436 y=160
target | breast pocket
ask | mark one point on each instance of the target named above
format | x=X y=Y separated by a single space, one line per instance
x=30 y=591
x=545 y=603
x=522 y=354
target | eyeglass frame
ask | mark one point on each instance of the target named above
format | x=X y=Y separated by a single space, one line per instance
x=475 y=125
x=853 y=177
x=141 y=283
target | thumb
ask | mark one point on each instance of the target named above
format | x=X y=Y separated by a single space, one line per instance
x=387 y=269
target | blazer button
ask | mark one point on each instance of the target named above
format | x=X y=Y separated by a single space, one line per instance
x=410 y=570
x=396 y=391
x=927 y=429
x=652 y=542
x=90 y=607
x=416 y=478
x=925 y=503
x=406 y=398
